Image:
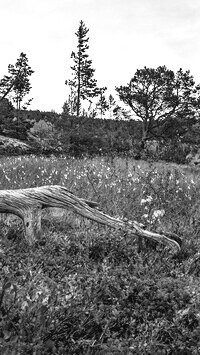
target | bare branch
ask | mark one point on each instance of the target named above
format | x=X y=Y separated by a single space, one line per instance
x=28 y=204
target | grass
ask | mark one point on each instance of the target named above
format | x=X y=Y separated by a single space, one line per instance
x=86 y=289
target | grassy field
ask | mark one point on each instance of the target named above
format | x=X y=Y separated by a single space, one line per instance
x=86 y=289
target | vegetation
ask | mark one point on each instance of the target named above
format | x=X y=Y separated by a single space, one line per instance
x=82 y=85
x=157 y=96
x=161 y=123
x=17 y=83
x=13 y=89
x=83 y=289
x=167 y=129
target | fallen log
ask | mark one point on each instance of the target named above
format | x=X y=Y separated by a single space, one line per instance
x=28 y=204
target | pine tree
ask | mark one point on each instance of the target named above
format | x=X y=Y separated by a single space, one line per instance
x=22 y=85
x=83 y=73
x=112 y=105
x=102 y=105
x=16 y=84
x=159 y=97
x=70 y=104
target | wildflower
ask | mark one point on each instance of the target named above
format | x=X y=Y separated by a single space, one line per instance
x=157 y=214
x=147 y=200
x=145 y=215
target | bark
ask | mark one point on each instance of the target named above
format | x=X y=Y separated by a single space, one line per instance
x=28 y=205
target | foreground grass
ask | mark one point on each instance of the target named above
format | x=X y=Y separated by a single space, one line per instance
x=84 y=289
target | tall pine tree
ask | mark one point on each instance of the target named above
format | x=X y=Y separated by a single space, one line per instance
x=82 y=71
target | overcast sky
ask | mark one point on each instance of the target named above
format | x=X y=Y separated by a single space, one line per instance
x=125 y=35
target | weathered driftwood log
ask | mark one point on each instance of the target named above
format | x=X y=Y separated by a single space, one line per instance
x=28 y=205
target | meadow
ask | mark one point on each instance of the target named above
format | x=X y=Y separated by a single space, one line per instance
x=84 y=288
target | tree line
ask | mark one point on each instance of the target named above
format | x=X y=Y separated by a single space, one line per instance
x=163 y=104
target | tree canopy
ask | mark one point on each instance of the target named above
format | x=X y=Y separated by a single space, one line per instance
x=17 y=83
x=156 y=95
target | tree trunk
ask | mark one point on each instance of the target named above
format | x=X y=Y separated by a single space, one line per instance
x=144 y=136
x=79 y=86
x=28 y=205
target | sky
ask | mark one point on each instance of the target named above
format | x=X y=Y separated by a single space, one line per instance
x=124 y=35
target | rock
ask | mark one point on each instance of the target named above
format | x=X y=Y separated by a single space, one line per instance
x=13 y=146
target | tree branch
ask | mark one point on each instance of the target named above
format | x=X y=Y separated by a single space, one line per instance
x=28 y=204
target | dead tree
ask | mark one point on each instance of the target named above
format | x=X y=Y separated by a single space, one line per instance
x=28 y=204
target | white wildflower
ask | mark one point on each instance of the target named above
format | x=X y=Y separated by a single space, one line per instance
x=157 y=214
x=145 y=215
x=148 y=199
